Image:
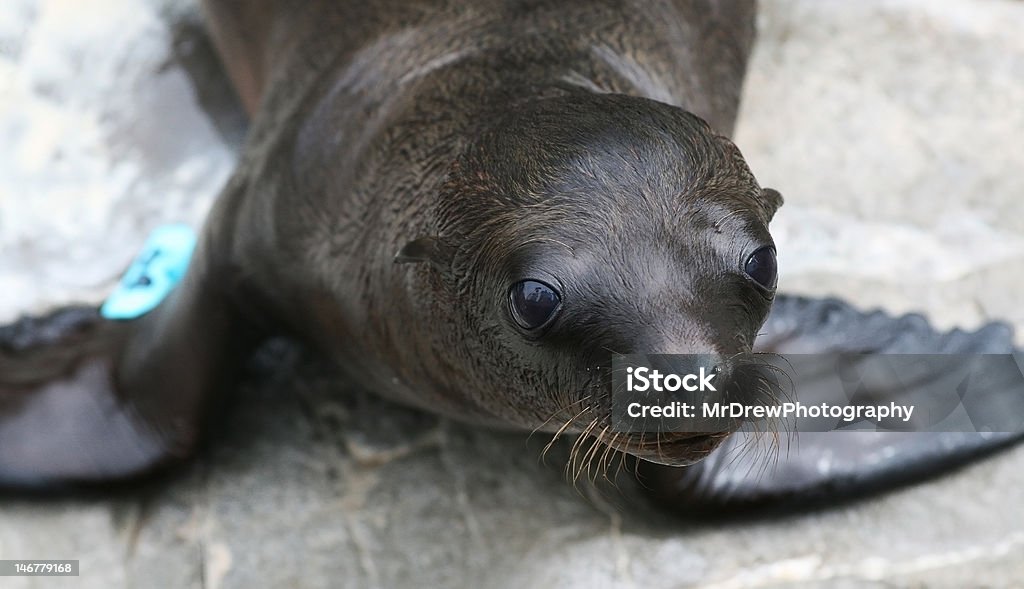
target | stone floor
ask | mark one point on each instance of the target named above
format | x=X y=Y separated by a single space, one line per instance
x=893 y=129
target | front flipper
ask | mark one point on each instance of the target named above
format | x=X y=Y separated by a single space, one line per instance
x=813 y=467
x=84 y=399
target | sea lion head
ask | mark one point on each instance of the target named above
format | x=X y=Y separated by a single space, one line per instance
x=580 y=226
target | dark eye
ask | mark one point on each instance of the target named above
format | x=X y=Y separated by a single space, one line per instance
x=533 y=303
x=762 y=268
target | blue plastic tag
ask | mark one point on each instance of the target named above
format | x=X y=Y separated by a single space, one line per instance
x=153 y=275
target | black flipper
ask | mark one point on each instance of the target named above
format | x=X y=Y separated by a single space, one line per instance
x=748 y=471
x=85 y=400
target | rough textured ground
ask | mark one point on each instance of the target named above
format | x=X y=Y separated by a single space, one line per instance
x=892 y=127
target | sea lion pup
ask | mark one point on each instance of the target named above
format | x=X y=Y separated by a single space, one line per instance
x=467 y=206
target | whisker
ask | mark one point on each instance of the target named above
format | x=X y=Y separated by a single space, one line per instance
x=588 y=457
x=558 y=434
x=574 y=455
x=557 y=411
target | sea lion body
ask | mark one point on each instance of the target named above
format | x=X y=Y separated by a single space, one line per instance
x=379 y=104
x=690 y=54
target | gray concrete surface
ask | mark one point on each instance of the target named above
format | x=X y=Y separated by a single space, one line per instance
x=892 y=127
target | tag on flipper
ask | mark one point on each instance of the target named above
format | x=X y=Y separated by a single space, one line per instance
x=153 y=274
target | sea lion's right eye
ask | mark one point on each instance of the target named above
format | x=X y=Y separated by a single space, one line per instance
x=533 y=303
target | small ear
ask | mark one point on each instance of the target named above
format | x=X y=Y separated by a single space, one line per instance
x=771 y=200
x=431 y=249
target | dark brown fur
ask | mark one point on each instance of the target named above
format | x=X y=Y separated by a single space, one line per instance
x=585 y=141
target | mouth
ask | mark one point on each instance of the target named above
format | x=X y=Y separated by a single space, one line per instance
x=671 y=448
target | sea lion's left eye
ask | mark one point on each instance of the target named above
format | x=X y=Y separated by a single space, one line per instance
x=762 y=267
x=532 y=303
